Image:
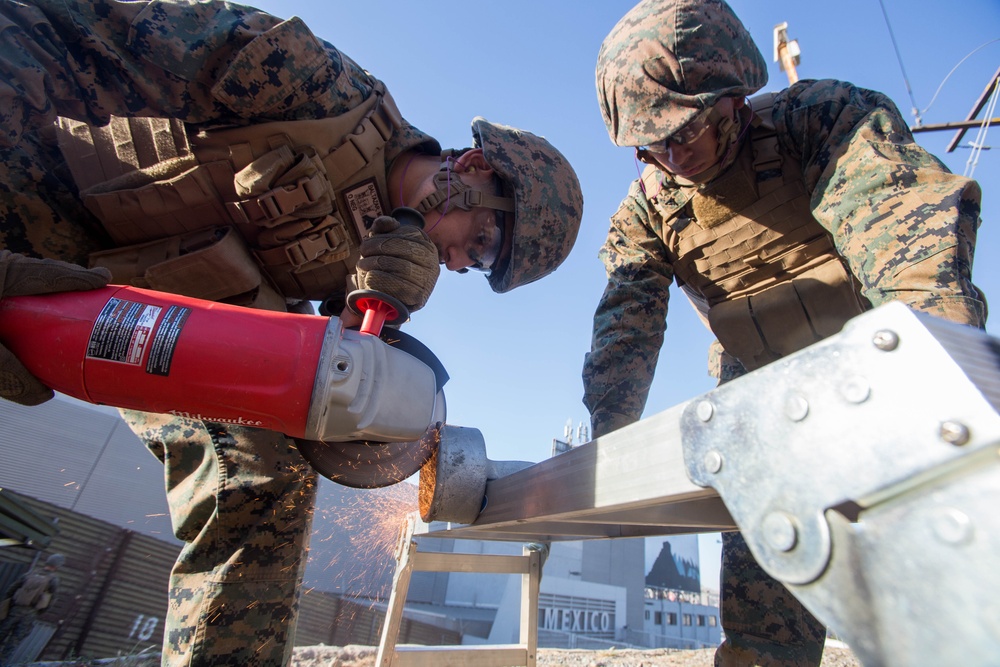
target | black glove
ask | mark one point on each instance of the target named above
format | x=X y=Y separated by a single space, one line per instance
x=400 y=260
x=23 y=276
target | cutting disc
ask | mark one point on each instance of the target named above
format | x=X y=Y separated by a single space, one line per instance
x=366 y=465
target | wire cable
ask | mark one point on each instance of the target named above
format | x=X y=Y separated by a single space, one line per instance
x=899 y=58
x=948 y=75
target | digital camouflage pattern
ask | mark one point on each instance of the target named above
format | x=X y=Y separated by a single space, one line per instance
x=920 y=253
x=899 y=220
x=764 y=623
x=665 y=61
x=904 y=225
x=241 y=499
x=548 y=203
x=198 y=62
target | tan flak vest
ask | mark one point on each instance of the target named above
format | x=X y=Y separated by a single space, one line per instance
x=762 y=272
x=248 y=215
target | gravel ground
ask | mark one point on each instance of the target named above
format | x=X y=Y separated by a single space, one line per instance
x=364 y=656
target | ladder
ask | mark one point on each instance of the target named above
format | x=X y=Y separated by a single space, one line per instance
x=409 y=558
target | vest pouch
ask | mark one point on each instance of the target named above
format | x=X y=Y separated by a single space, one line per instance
x=181 y=203
x=283 y=185
x=830 y=296
x=212 y=264
x=787 y=317
x=279 y=185
x=733 y=324
x=306 y=258
x=298 y=237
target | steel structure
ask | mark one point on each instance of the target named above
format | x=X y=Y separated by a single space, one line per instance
x=863 y=472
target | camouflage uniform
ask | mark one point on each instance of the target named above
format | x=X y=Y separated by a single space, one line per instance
x=241 y=499
x=892 y=215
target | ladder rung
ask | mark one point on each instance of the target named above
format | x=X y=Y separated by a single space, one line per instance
x=483 y=655
x=429 y=561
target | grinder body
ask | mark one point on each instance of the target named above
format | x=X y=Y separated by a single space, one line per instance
x=302 y=375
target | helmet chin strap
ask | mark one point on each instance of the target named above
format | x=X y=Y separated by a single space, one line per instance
x=451 y=191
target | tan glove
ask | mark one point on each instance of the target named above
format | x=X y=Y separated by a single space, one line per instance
x=23 y=276
x=400 y=260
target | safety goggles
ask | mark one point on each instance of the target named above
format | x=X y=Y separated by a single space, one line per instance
x=487 y=244
x=485 y=248
x=688 y=134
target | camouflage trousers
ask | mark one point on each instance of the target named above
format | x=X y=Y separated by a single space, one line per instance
x=764 y=623
x=242 y=501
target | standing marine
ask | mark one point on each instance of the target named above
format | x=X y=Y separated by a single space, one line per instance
x=780 y=216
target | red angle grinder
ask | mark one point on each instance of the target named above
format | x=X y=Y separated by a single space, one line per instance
x=359 y=404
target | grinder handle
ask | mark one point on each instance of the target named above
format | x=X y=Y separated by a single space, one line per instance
x=377 y=308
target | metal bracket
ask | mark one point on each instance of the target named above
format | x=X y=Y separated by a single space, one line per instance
x=896 y=416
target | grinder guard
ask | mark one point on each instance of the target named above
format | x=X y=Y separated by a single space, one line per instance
x=368 y=390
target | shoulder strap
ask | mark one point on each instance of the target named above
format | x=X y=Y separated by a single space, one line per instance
x=651 y=183
x=773 y=167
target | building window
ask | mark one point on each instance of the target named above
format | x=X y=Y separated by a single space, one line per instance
x=647 y=614
x=687 y=619
x=658 y=618
x=671 y=618
x=712 y=621
x=701 y=620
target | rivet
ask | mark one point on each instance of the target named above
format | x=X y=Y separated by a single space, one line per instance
x=713 y=462
x=780 y=531
x=705 y=410
x=886 y=340
x=952 y=526
x=955 y=433
x=796 y=408
x=856 y=389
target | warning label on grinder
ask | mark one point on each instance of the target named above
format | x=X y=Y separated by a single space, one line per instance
x=165 y=340
x=126 y=330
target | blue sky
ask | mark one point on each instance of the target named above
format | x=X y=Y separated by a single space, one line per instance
x=515 y=359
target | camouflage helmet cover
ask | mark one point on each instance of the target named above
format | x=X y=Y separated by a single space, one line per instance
x=667 y=60
x=548 y=202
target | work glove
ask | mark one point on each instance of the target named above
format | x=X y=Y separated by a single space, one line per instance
x=400 y=260
x=23 y=276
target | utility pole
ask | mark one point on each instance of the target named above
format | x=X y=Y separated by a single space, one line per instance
x=786 y=52
x=988 y=99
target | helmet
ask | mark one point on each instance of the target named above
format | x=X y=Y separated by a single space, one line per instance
x=548 y=202
x=55 y=560
x=666 y=61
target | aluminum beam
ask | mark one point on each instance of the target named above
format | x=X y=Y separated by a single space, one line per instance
x=630 y=483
